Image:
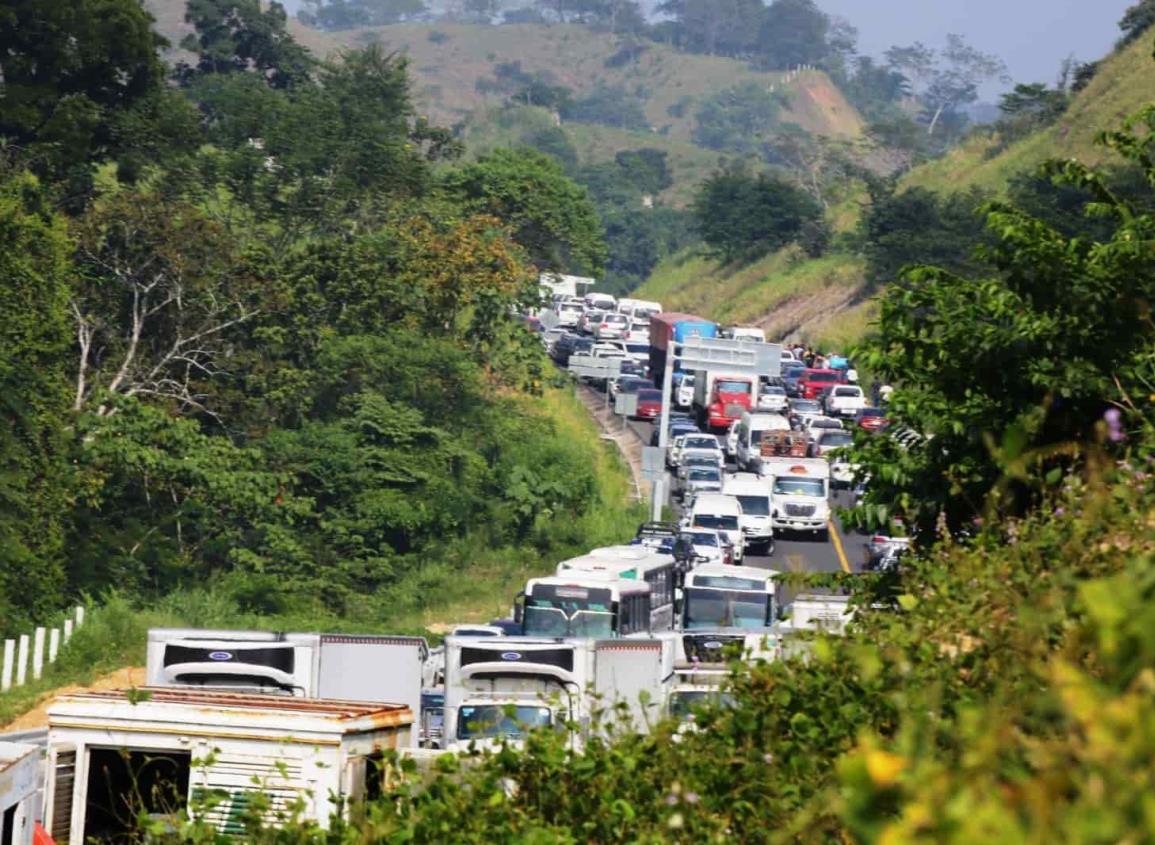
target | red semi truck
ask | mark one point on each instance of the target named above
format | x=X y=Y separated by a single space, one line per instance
x=721 y=399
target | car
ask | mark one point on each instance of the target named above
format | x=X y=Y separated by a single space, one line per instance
x=607 y=350
x=568 y=346
x=649 y=405
x=871 y=419
x=812 y=425
x=831 y=444
x=844 y=400
x=773 y=398
x=639 y=332
x=611 y=325
x=710 y=545
x=628 y=384
x=814 y=383
x=676 y=429
x=698 y=458
x=696 y=441
x=827 y=439
x=684 y=395
x=569 y=313
x=550 y=337
x=694 y=479
x=590 y=318
x=800 y=408
x=884 y=554
x=730 y=439
x=633 y=368
x=715 y=510
x=791 y=375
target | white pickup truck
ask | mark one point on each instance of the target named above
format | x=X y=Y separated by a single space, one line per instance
x=845 y=400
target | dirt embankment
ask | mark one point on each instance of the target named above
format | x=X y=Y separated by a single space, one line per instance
x=37 y=717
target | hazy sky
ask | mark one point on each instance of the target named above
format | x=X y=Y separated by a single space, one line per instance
x=1031 y=36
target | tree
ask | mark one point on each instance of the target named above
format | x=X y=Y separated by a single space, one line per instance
x=609 y=106
x=67 y=68
x=794 y=32
x=739 y=119
x=35 y=273
x=742 y=217
x=1009 y=374
x=1137 y=20
x=549 y=215
x=233 y=36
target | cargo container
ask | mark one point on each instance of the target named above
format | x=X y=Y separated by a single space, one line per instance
x=673 y=327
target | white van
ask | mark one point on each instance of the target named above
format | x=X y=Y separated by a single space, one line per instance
x=751 y=428
x=601 y=301
x=639 y=309
x=722 y=512
x=753 y=494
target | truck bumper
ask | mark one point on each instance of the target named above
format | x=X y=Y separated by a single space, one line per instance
x=792 y=523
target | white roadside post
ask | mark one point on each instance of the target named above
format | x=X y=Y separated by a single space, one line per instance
x=9 y=665
x=22 y=661
x=38 y=653
x=67 y=630
x=53 y=644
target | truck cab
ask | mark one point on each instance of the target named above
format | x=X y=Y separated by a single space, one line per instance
x=799 y=494
x=720 y=399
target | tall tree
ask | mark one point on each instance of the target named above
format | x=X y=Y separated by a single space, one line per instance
x=794 y=32
x=238 y=35
x=66 y=68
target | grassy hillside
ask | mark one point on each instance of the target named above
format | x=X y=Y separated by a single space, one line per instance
x=1124 y=83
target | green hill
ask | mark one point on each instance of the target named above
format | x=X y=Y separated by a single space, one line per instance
x=823 y=300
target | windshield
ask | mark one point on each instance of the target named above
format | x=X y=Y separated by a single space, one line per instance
x=722 y=523
x=704 y=474
x=733 y=386
x=846 y=391
x=837 y=438
x=684 y=702
x=487 y=721
x=647 y=394
x=701 y=538
x=773 y=391
x=556 y=617
x=708 y=609
x=825 y=377
x=700 y=443
x=800 y=487
x=806 y=406
x=755 y=505
x=700 y=461
x=638 y=348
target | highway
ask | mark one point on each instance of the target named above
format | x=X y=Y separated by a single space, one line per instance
x=798 y=552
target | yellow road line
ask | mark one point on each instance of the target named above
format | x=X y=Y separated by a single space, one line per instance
x=838 y=547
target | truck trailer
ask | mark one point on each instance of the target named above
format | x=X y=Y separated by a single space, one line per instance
x=672 y=327
x=349 y=667
x=118 y=757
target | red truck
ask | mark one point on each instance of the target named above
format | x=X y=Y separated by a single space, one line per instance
x=720 y=399
x=816 y=382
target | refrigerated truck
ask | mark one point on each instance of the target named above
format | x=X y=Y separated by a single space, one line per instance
x=674 y=327
x=351 y=667
x=497 y=691
x=118 y=757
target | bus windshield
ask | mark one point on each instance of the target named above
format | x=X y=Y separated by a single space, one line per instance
x=486 y=721
x=707 y=609
x=800 y=487
x=684 y=702
x=567 y=618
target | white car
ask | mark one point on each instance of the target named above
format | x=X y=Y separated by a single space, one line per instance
x=815 y=424
x=711 y=544
x=828 y=444
x=684 y=395
x=607 y=350
x=697 y=442
x=845 y=400
x=730 y=444
x=721 y=512
x=773 y=398
x=698 y=457
x=639 y=333
x=569 y=314
x=611 y=325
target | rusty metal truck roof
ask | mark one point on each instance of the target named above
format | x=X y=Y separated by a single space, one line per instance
x=380 y=712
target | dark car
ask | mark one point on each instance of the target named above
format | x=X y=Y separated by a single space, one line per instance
x=679 y=427
x=791 y=373
x=649 y=404
x=871 y=419
x=629 y=367
x=798 y=407
x=571 y=345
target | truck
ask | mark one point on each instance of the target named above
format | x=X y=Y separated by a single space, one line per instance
x=350 y=667
x=19 y=792
x=496 y=691
x=752 y=430
x=799 y=494
x=753 y=494
x=845 y=400
x=672 y=327
x=721 y=398
x=121 y=759
x=817 y=611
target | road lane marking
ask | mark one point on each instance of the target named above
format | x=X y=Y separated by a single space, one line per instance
x=838 y=547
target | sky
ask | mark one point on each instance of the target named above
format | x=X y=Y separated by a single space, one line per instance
x=1031 y=36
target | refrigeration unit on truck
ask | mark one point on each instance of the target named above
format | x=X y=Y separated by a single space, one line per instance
x=634 y=563
x=497 y=691
x=671 y=327
x=728 y=612
x=351 y=667
x=584 y=604
x=20 y=781
x=721 y=398
x=120 y=757
x=799 y=494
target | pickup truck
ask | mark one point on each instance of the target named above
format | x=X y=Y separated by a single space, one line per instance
x=845 y=400
x=814 y=383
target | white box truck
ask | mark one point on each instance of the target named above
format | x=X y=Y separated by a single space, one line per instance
x=119 y=756
x=496 y=691
x=351 y=667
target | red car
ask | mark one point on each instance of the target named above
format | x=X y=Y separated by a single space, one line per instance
x=649 y=404
x=816 y=382
x=871 y=419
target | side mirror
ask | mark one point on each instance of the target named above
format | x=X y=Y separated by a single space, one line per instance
x=518 y=607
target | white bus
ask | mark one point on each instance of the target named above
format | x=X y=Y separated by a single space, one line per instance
x=586 y=604
x=716 y=596
x=634 y=563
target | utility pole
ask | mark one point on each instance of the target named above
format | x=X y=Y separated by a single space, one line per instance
x=664 y=425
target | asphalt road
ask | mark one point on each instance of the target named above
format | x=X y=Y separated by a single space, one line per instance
x=798 y=552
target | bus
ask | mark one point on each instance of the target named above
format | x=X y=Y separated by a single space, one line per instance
x=635 y=563
x=584 y=604
x=717 y=596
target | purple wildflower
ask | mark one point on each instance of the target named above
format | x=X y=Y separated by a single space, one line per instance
x=1114 y=419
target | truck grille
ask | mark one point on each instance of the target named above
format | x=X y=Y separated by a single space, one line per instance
x=800 y=510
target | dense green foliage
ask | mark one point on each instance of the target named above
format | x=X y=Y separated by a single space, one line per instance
x=271 y=354
x=742 y=216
